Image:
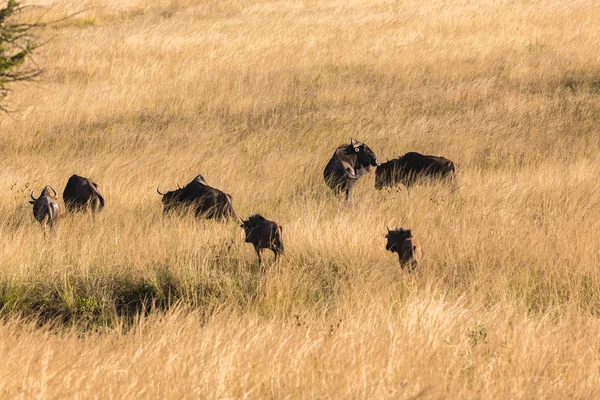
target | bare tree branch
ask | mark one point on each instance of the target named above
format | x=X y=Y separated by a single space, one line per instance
x=18 y=42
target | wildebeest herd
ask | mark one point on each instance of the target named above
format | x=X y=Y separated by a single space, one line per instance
x=348 y=163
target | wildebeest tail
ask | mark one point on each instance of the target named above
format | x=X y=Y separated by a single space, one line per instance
x=97 y=193
x=52 y=213
x=44 y=214
x=230 y=209
x=452 y=168
x=278 y=241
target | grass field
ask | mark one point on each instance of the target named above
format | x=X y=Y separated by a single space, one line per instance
x=255 y=96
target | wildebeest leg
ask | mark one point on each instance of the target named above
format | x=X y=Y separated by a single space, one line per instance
x=454 y=181
x=413 y=264
x=45 y=222
x=258 y=254
x=349 y=200
x=403 y=261
x=277 y=253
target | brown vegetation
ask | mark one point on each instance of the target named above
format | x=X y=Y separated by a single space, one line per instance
x=255 y=96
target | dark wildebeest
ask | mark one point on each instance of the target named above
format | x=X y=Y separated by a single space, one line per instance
x=348 y=163
x=206 y=201
x=409 y=250
x=81 y=193
x=46 y=208
x=411 y=167
x=263 y=234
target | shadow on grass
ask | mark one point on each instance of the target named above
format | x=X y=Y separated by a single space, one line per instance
x=77 y=301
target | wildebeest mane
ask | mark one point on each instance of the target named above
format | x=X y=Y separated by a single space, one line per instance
x=256 y=218
x=400 y=233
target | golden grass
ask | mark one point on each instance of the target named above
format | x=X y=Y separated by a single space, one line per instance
x=256 y=95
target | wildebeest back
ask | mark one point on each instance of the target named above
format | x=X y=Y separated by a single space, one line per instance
x=81 y=192
x=207 y=201
x=410 y=167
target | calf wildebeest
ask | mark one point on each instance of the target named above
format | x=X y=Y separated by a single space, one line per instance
x=206 y=201
x=409 y=251
x=46 y=208
x=348 y=163
x=81 y=193
x=263 y=234
x=412 y=166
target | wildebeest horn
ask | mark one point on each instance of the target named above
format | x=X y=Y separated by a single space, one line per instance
x=387 y=159
x=32 y=195
x=158 y=190
x=178 y=187
x=54 y=191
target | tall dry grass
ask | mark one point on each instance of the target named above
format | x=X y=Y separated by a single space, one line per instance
x=256 y=96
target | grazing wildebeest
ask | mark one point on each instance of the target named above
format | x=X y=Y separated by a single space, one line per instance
x=409 y=251
x=46 y=208
x=411 y=167
x=81 y=193
x=348 y=163
x=206 y=201
x=263 y=234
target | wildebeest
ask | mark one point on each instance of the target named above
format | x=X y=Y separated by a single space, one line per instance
x=206 y=201
x=81 y=193
x=263 y=234
x=46 y=208
x=348 y=163
x=409 y=250
x=412 y=166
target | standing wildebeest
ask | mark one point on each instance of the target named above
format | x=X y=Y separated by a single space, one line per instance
x=409 y=251
x=412 y=166
x=348 y=163
x=46 y=208
x=207 y=201
x=81 y=193
x=263 y=234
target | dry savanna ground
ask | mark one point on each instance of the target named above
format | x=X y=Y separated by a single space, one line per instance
x=256 y=95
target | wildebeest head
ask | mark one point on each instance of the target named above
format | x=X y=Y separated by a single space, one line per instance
x=170 y=199
x=348 y=163
x=402 y=242
x=366 y=158
x=384 y=174
x=253 y=222
x=395 y=239
x=45 y=193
